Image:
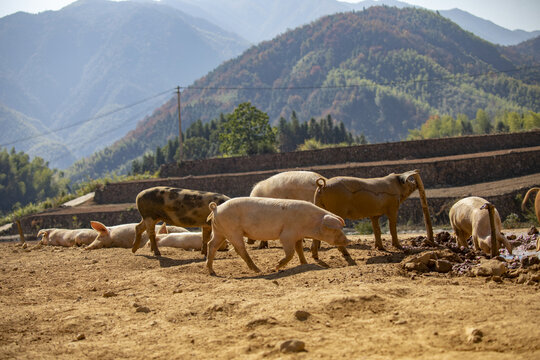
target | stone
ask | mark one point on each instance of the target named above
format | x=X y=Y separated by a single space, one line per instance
x=532 y=231
x=474 y=335
x=109 y=294
x=443 y=266
x=291 y=346
x=80 y=337
x=142 y=309
x=491 y=267
x=301 y=315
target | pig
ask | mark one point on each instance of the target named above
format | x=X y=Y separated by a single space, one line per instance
x=121 y=235
x=113 y=236
x=184 y=240
x=299 y=185
x=469 y=217
x=267 y=219
x=66 y=237
x=174 y=206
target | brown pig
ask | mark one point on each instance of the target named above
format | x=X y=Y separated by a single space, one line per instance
x=268 y=219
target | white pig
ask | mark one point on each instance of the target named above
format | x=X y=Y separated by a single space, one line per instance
x=469 y=217
x=66 y=237
x=184 y=240
x=114 y=236
x=299 y=185
x=267 y=219
x=119 y=235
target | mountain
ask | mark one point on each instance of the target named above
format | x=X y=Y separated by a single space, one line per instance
x=381 y=71
x=79 y=68
x=257 y=21
x=486 y=29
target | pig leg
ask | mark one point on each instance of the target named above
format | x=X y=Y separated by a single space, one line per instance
x=96 y=244
x=206 y=232
x=506 y=244
x=238 y=243
x=215 y=243
x=315 y=244
x=300 y=251
x=151 y=231
x=377 y=232
x=461 y=237
x=289 y=247
x=392 y=222
x=139 y=229
x=475 y=242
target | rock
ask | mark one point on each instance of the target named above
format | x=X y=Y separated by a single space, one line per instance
x=142 y=309
x=522 y=278
x=474 y=335
x=80 y=337
x=109 y=294
x=532 y=231
x=290 y=346
x=301 y=315
x=491 y=267
x=411 y=266
x=443 y=266
x=497 y=279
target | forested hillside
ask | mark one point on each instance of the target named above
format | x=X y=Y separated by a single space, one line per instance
x=381 y=72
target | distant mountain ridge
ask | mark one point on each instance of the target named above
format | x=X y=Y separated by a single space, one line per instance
x=381 y=71
x=263 y=20
x=92 y=57
x=488 y=30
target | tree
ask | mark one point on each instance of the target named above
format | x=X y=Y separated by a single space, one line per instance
x=246 y=132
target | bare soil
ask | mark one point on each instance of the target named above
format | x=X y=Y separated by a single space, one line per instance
x=68 y=303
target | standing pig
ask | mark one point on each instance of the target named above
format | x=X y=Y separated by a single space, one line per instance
x=174 y=206
x=299 y=185
x=66 y=237
x=268 y=219
x=469 y=217
x=356 y=198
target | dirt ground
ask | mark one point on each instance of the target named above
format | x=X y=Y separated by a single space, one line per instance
x=68 y=303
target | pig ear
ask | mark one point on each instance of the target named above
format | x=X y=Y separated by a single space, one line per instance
x=99 y=227
x=403 y=178
x=163 y=229
x=334 y=222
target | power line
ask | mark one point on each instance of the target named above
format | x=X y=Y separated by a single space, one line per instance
x=87 y=120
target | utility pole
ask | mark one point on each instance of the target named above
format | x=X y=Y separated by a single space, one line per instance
x=180 y=147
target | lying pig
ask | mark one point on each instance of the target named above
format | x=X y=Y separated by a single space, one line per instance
x=122 y=235
x=66 y=237
x=268 y=219
x=469 y=217
x=174 y=206
x=183 y=240
x=299 y=185
x=113 y=236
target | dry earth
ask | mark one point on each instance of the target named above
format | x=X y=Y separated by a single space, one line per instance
x=68 y=303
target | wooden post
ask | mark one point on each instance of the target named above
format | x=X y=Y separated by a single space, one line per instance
x=425 y=209
x=180 y=142
x=21 y=233
x=494 y=247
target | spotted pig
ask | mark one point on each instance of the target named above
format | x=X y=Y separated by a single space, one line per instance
x=174 y=206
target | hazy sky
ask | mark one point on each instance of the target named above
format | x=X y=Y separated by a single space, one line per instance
x=511 y=14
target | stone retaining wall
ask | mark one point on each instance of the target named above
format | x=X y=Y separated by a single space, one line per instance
x=418 y=149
